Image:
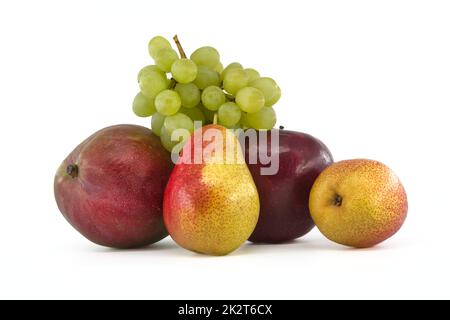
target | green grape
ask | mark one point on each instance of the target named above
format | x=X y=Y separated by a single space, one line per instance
x=189 y=94
x=173 y=143
x=252 y=74
x=164 y=59
x=143 y=106
x=168 y=102
x=196 y=114
x=206 y=57
x=184 y=70
x=269 y=88
x=178 y=121
x=206 y=77
x=275 y=97
x=157 y=43
x=263 y=119
x=213 y=97
x=152 y=83
x=231 y=66
x=236 y=126
x=229 y=114
x=235 y=80
x=250 y=99
x=218 y=68
x=209 y=115
x=244 y=121
x=166 y=140
x=157 y=123
x=146 y=69
x=235 y=65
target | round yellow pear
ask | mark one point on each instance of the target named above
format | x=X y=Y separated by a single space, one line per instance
x=358 y=203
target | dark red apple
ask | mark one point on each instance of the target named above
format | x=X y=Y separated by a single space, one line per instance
x=284 y=196
x=110 y=188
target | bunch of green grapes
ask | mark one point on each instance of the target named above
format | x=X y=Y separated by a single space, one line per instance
x=177 y=91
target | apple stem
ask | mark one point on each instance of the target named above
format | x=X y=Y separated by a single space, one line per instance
x=281 y=127
x=180 y=48
x=72 y=170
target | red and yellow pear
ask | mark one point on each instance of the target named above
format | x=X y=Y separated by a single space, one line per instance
x=211 y=204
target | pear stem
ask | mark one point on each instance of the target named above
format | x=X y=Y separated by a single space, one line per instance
x=337 y=200
x=180 y=48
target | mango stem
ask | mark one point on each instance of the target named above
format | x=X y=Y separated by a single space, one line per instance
x=72 y=170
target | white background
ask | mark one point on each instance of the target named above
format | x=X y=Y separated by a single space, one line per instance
x=369 y=78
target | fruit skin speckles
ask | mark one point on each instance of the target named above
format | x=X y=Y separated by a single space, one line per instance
x=358 y=203
x=210 y=208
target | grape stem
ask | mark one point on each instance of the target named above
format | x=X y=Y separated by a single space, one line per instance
x=180 y=48
x=230 y=97
x=172 y=83
x=215 y=118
